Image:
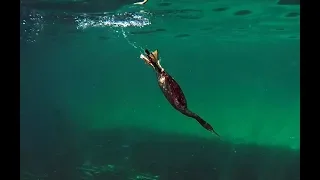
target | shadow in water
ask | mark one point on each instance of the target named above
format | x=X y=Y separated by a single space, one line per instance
x=168 y=156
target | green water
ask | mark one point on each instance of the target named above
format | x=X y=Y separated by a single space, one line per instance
x=238 y=63
x=245 y=82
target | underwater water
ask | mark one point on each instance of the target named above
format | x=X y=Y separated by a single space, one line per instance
x=91 y=109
